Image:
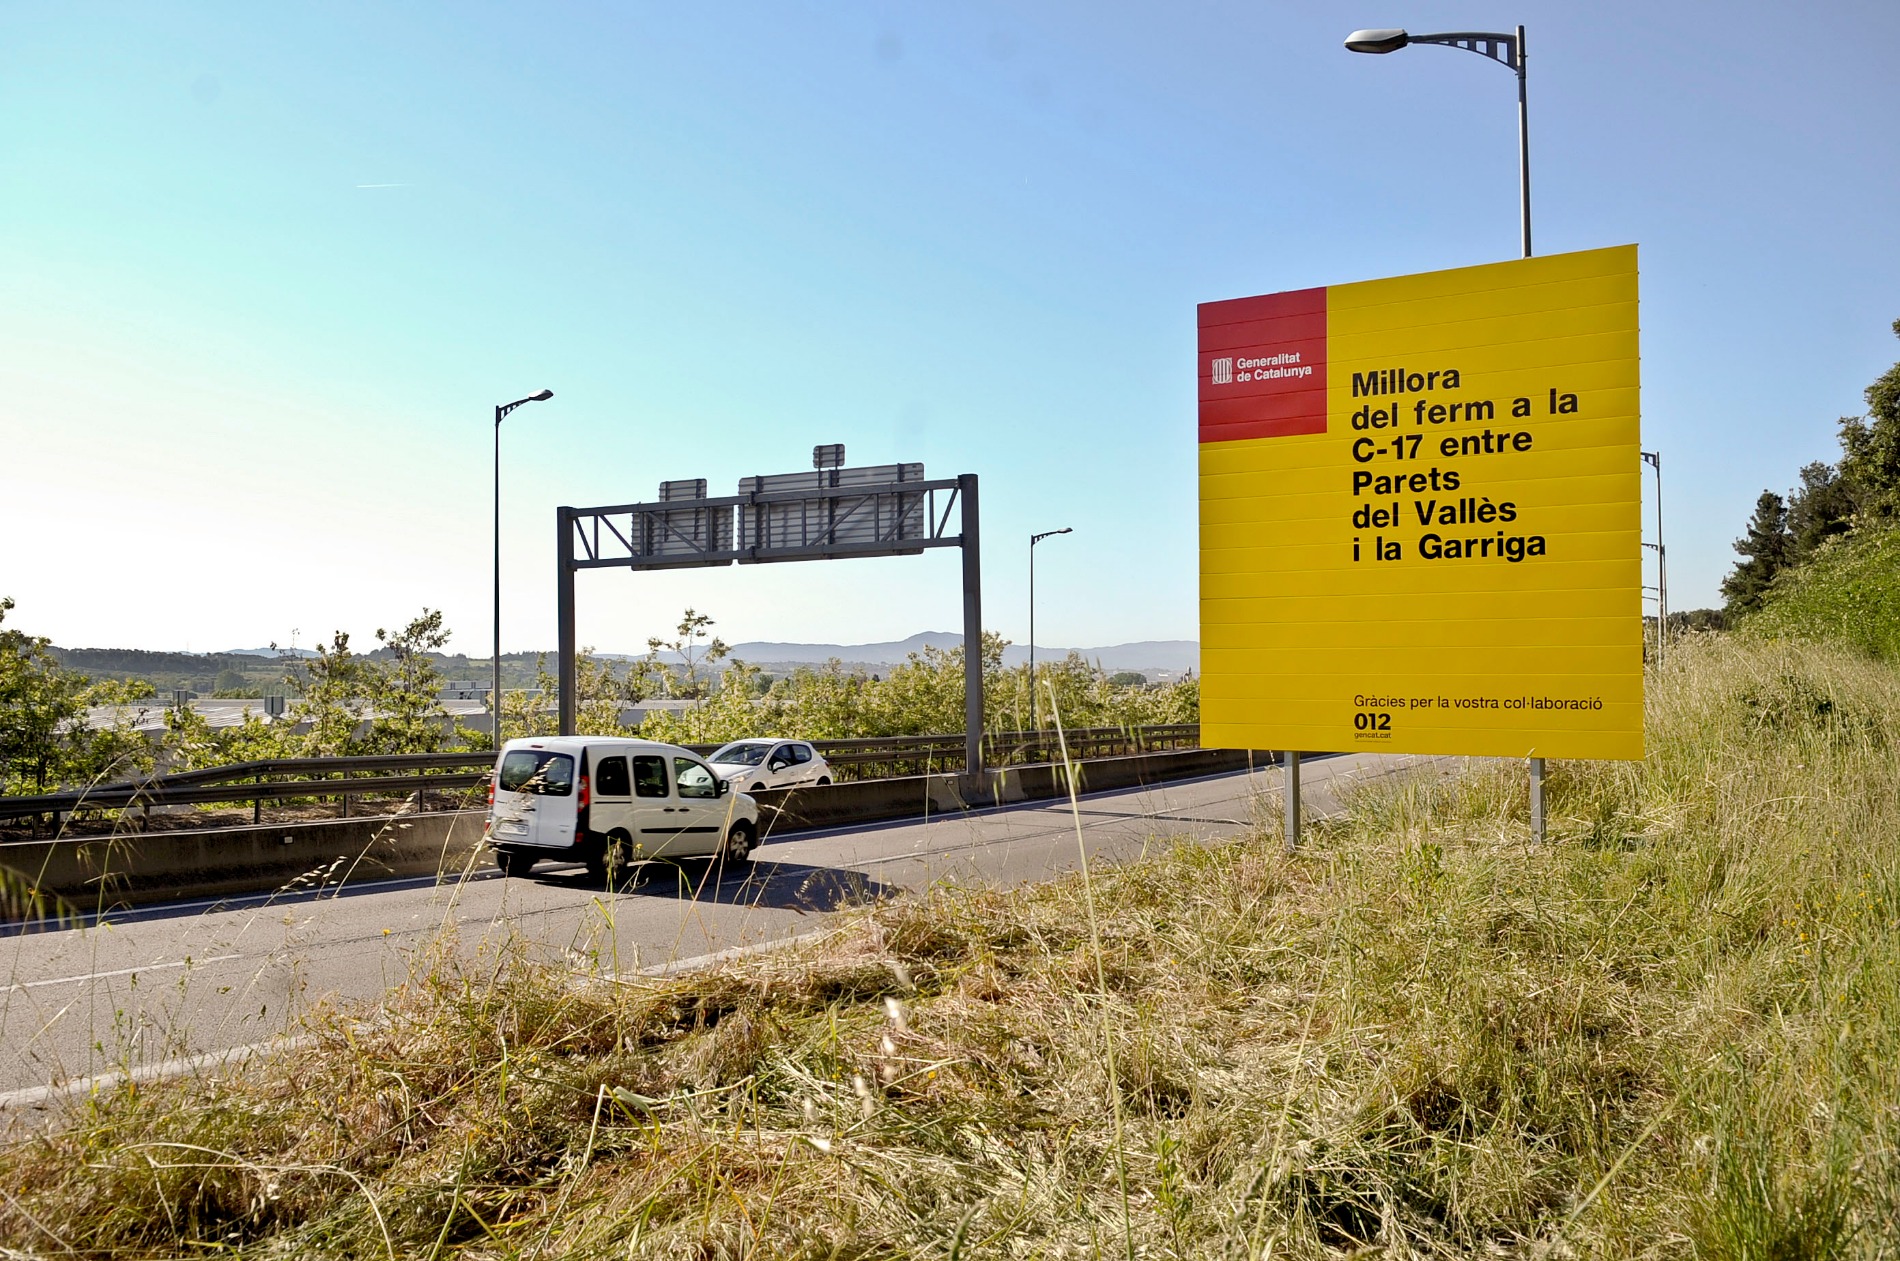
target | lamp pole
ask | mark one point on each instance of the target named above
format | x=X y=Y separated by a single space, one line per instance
x=1654 y=460
x=1506 y=50
x=494 y=695
x=1034 y=539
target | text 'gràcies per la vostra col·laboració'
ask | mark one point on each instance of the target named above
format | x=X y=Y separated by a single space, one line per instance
x=1407 y=479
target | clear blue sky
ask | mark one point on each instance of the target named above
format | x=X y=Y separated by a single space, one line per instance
x=264 y=270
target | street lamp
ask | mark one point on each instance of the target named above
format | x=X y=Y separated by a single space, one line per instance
x=494 y=696
x=1654 y=460
x=1033 y=540
x=1506 y=50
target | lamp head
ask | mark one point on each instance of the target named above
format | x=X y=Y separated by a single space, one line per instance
x=1380 y=40
x=540 y=396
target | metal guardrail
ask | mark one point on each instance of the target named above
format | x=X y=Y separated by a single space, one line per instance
x=889 y=756
x=291 y=766
x=330 y=778
x=278 y=779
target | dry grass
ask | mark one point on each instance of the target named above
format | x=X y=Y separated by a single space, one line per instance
x=1674 y=1031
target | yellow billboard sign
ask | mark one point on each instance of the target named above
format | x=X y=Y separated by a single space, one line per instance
x=1420 y=514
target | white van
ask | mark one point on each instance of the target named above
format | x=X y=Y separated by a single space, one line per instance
x=607 y=801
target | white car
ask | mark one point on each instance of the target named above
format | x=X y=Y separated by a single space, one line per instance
x=755 y=765
x=612 y=802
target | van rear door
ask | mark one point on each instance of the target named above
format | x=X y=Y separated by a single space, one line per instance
x=610 y=809
x=535 y=802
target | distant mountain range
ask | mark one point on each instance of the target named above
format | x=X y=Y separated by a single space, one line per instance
x=1173 y=655
x=256 y=671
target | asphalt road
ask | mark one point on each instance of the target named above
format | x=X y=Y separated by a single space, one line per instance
x=193 y=980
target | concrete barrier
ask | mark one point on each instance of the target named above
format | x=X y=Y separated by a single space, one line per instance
x=96 y=873
x=784 y=810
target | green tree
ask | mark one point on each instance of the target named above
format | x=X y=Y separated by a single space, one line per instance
x=405 y=690
x=1820 y=508
x=38 y=701
x=829 y=701
x=1764 y=551
x=389 y=701
x=922 y=696
x=335 y=700
x=1085 y=695
x=697 y=649
x=46 y=742
x=112 y=753
x=1870 y=446
x=743 y=705
x=191 y=743
x=603 y=690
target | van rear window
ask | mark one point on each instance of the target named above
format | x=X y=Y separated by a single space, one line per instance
x=534 y=771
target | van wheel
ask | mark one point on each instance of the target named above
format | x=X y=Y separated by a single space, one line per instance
x=514 y=865
x=739 y=840
x=616 y=856
x=823 y=780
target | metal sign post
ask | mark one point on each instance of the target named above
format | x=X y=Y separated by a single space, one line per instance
x=1537 y=800
x=1654 y=460
x=972 y=632
x=1292 y=801
x=830 y=513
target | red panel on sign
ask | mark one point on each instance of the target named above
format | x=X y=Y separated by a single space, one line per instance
x=1263 y=366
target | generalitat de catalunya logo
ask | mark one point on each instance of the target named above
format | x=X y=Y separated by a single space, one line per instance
x=1223 y=371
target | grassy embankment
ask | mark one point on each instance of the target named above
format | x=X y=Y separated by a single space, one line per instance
x=1672 y=1031
x=1847 y=593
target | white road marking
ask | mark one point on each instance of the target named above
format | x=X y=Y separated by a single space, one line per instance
x=100 y=976
x=45 y=1096
x=42 y=1097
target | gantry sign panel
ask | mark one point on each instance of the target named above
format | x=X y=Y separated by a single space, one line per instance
x=1420 y=514
x=830 y=513
x=824 y=514
x=841 y=508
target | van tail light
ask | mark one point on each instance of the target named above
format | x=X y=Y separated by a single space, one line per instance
x=586 y=796
x=491 y=790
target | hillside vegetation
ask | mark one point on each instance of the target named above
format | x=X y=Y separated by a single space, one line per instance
x=1848 y=593
x=1822 y=558
x=388 y=700
x=1672 y=1031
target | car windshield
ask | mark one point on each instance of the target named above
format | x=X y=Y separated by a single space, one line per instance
x=743 y=753
x=532 y=771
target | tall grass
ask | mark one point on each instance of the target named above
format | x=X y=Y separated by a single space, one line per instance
x=1674 y=1031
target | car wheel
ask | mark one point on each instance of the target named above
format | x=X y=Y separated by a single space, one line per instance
x=739 y=840
x=823 y=780
x=514 y=865
x=616 y=857
x=756 y=788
